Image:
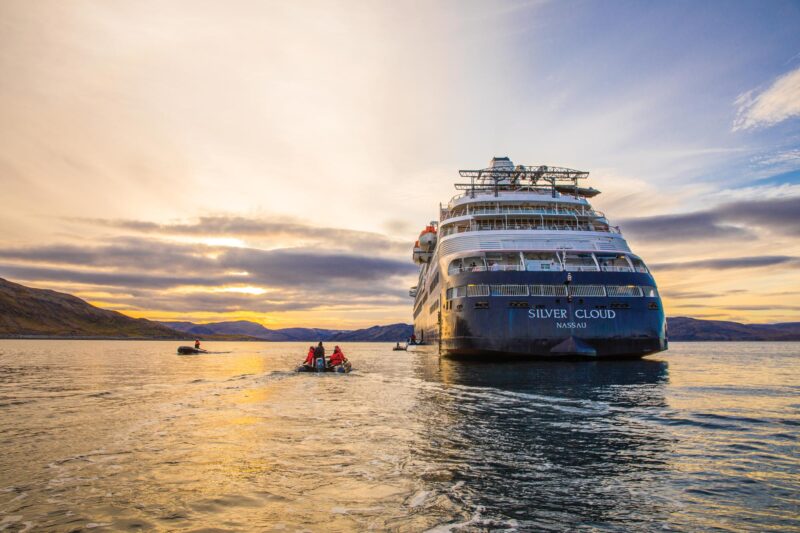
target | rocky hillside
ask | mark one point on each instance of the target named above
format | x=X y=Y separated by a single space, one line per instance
x=25 y=311
x=691 y=329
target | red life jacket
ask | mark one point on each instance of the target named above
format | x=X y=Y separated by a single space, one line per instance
x=310 y=357
x=337 y=358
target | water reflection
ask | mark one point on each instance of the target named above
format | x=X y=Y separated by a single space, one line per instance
x=550 y=444
x=127 y=435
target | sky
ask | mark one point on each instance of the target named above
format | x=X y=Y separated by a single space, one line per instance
x=275 y=161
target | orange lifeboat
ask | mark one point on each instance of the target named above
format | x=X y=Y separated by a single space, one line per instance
x=427 y=239
x=419 y=255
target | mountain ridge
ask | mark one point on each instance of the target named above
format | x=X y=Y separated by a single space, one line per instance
x=25 y=311
x=42 y=313
x=389 y=333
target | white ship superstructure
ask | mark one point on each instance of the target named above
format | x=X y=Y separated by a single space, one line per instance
x=520 y=263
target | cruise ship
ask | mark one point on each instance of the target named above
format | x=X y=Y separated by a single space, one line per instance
x=520 y=264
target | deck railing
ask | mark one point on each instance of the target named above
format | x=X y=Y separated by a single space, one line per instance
x=502 y=226
x=521 y=211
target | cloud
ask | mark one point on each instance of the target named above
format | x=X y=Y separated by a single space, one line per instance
x=723 y=222
x=781 y=215
x=227 y=302
x=730 y=263
x=258 y=228
x=174 y=264
x=764 y=307
x=778 y=102
x=688 y=295
x=107 y=279
x=699 y=225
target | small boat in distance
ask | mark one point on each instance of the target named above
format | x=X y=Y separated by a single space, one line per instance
x=188 y=350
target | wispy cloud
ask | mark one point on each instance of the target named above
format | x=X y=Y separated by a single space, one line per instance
x=730 y=263
x=723 y=222
x=778 y=102
x=261 y=229
x=148 y=274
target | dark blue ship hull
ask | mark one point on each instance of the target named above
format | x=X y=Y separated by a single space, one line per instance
x=546 y=326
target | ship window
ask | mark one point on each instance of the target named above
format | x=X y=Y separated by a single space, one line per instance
x=458 y=292
x=613 y=263
x=500 y=262
x=473 y=264
x=579 y=262
x=455 y=267
x=639 y=265
x=624 y=290
x=548 y=290
x=650 y=292
x=509 y=290
x=477 y=290
x=541 y=261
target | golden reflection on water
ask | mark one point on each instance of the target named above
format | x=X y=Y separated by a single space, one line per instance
x=130 y=435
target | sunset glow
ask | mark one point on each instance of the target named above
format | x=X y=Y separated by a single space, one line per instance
x=277 y=161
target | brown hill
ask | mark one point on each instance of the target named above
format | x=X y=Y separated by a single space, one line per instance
x=683 y=328
x=39 y=312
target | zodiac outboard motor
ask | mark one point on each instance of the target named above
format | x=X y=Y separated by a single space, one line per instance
x=319 y=364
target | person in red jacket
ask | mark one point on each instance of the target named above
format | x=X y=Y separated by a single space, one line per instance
x=310 y=357
x=337 y=357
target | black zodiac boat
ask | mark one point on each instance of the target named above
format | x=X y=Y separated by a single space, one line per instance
x=321 y=366
x=188 y=350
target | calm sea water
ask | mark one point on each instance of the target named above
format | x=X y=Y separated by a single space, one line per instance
x=128 y=435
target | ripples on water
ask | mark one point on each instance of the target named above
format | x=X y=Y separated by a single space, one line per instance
x=126 y=435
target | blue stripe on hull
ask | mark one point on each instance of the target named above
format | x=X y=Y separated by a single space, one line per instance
x=551 y=326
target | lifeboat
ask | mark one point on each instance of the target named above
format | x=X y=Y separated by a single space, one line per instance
x=427 y=239
x=419 y=255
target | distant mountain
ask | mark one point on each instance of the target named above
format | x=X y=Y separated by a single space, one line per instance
x=25 y=311
x=682 y=328
x=238 y=327
x=390 y=333
x=37 y=312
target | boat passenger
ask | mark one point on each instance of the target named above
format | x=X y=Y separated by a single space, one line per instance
x=337 y=357
x=310 y=357
x=319 y=351
x=197 y=344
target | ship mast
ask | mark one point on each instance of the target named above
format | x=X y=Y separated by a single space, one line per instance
x=502 y=175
